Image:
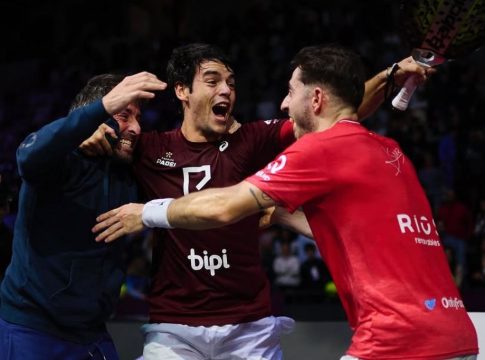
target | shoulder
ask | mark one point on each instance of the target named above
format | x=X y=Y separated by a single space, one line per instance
x=156 y=137
x=264 y=124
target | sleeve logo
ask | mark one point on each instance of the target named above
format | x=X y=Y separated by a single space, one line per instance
x=277 y=165
x=272 y=168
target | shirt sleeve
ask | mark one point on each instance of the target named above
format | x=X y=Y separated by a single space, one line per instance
x=296 y=176
x=44 y=150
x=287 y=137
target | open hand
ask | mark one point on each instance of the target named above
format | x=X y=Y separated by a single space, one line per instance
x=126 y=219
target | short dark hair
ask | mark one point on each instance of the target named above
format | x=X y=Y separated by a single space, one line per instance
x=335 y=67
x=186 y=59
x=97 y=87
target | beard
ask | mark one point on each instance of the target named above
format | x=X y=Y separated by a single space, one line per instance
x=302 y=123
x=123 y=150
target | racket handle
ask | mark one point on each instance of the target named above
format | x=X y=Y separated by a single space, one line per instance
x=401 y=100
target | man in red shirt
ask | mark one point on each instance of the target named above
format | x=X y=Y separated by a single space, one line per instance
x=365 y=206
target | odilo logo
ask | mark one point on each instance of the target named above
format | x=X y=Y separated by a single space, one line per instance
x=208 y=262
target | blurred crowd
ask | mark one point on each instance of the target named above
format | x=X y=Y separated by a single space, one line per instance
x=59 y=45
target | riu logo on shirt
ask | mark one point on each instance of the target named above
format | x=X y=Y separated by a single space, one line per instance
x=419 y=225
x=272 y=168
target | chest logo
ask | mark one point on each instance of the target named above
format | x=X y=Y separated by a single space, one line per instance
x=277 y=165
x=396 y=159
x=224 y=145
x=208 y=262
x=166 y=160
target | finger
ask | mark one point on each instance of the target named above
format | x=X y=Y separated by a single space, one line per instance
x=87 y=151
x=264 y=221
x=100 y=226
x=108 y=130
x=107 y=215
x=105 y=147
x=108 y=231
x=103 y=225
x=117 y=234
x=144 y=94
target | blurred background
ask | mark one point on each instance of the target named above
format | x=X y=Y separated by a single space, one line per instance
x=49 y=50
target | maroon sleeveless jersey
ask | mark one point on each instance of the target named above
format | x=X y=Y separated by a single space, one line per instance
x=211 y=277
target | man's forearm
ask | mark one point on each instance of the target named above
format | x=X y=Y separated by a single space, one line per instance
x=296 y=222
x=373 y=96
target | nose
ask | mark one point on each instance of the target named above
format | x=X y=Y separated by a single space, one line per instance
x=225 y=88
x=284 y=104
x=134 y=126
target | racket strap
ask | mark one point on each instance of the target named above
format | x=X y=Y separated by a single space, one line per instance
x=390 y=81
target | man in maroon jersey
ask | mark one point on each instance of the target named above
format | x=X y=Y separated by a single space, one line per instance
x=365 y=206
x=214 y=278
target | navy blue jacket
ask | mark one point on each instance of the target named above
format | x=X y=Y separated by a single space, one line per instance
x=60 y=280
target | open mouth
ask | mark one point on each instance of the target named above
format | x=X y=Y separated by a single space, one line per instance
x=221 y=109
x=126 y=143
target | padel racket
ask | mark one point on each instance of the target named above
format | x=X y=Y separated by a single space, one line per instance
x=439 y=30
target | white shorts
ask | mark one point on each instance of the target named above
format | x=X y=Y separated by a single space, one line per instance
x=470 y=357
x=257 y=340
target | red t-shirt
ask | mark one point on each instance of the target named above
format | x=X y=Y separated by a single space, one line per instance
x=373 y=224
x=209 y=277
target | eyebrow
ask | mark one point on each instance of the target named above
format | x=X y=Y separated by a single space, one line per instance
x=131 y=112
x=216 y=73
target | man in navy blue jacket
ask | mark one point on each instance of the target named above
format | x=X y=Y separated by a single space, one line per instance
x=61 y=286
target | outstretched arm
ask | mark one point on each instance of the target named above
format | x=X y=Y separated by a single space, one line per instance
x=205 y=209
x=375 y=87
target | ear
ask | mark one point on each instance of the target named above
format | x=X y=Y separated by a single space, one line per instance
x=319 y=99
x=182 y=92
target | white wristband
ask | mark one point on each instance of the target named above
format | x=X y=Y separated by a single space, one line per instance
x=155 y=213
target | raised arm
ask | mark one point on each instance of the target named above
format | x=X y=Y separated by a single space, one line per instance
x=43 y=151
x=376 y=86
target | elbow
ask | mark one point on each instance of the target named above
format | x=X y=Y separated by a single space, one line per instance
x=24 y=168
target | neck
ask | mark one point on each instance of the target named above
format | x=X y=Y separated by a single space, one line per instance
x=330 y=118
x=194 y=134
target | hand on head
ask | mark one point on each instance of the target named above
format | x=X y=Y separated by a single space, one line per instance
x=130 y=89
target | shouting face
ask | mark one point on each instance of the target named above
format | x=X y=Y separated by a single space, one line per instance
x=208 y=106
x=129 y=123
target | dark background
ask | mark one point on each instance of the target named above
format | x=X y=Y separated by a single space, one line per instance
x=49 y=49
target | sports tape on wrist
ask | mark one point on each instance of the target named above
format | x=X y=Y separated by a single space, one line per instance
x=155 y=213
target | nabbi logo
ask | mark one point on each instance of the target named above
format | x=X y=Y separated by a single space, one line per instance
x=208 y=262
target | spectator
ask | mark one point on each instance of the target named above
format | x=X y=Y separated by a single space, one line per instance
x=455 y=222
x=286 y=267
x=314 y=273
